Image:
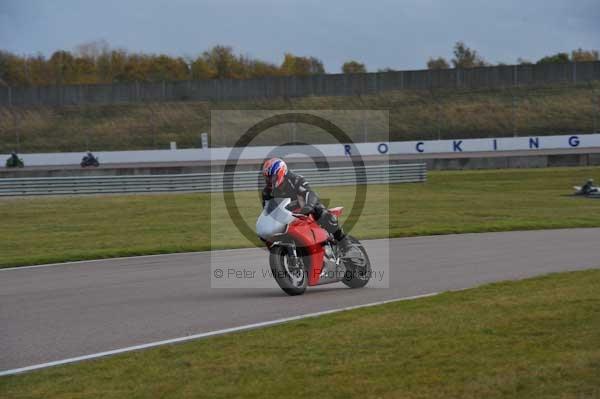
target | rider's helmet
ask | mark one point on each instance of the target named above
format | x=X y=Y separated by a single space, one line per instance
x=274 y=171
x=590 y=181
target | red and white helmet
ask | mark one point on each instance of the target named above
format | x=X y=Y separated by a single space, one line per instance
x=274 y=171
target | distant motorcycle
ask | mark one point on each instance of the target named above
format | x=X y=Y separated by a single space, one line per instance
x=593 y=191
x=14 y=161
x=90 y=160
x=303 y=254
x=588 y=189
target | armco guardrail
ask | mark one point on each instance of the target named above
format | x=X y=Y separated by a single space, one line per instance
x=205 y=182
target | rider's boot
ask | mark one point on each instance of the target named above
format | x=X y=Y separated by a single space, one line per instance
x=341 y=240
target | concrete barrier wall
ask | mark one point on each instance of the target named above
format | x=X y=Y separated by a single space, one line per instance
x=433 y=163
x=497 y=145
x=300 y=86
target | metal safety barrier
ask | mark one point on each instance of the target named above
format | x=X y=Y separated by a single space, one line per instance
x=206 y=182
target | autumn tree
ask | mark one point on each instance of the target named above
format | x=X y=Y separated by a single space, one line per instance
x=62 y=67
x=201 y=69
x=39 y=73
x=581 y=55
x=353 y=67
x=301 y=66
x=163 y=67
x=557 y=58
x=118 y=62
x=465 y=57
x=3 y=67
x=257 y=69
x=12 y=69
x=437 y=63
x=222 y=60
x=316 y=66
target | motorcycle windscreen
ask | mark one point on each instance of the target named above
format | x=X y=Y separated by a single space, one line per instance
x=274 y=218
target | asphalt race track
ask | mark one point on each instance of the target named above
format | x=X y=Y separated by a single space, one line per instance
x=56 y=312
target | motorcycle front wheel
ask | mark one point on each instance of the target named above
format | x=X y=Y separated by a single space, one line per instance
x=293 y=279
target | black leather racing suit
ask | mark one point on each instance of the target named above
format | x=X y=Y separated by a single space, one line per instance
x=295 y=187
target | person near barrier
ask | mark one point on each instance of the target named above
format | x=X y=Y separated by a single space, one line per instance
x=14 y=161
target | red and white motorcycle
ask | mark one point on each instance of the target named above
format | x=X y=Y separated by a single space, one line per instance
x=303 y=254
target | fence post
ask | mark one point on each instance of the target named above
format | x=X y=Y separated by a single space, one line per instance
x=574 y=72
x=88 y=140
x=514 y=113
x=596 y=113
x=595 y=108
x=438 y=109
x=154 y=122
x=17 y=133
x=364 y=126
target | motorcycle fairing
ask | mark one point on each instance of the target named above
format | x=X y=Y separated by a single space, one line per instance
x=277 y=221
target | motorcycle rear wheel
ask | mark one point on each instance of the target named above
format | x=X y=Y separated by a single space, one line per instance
x=292 y=284
x=358 y=278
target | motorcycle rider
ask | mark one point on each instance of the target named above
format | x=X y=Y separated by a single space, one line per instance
x=89 y=160
x=588 y=187
x=283 y=183
x=14 y=159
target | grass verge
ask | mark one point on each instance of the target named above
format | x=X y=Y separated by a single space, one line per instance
x=45 y=230
x=523 y=339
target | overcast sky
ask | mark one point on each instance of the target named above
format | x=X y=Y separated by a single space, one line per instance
x=400 y=34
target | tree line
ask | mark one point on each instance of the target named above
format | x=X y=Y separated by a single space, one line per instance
x=96 y=62
x=466 y=57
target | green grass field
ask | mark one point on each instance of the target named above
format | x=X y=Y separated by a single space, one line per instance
x=55 y=229
x=537 y=338
x=414 y=114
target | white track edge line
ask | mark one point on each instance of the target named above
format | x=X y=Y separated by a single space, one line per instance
x=74 y=262
x=134 y=257
x=206 y=335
